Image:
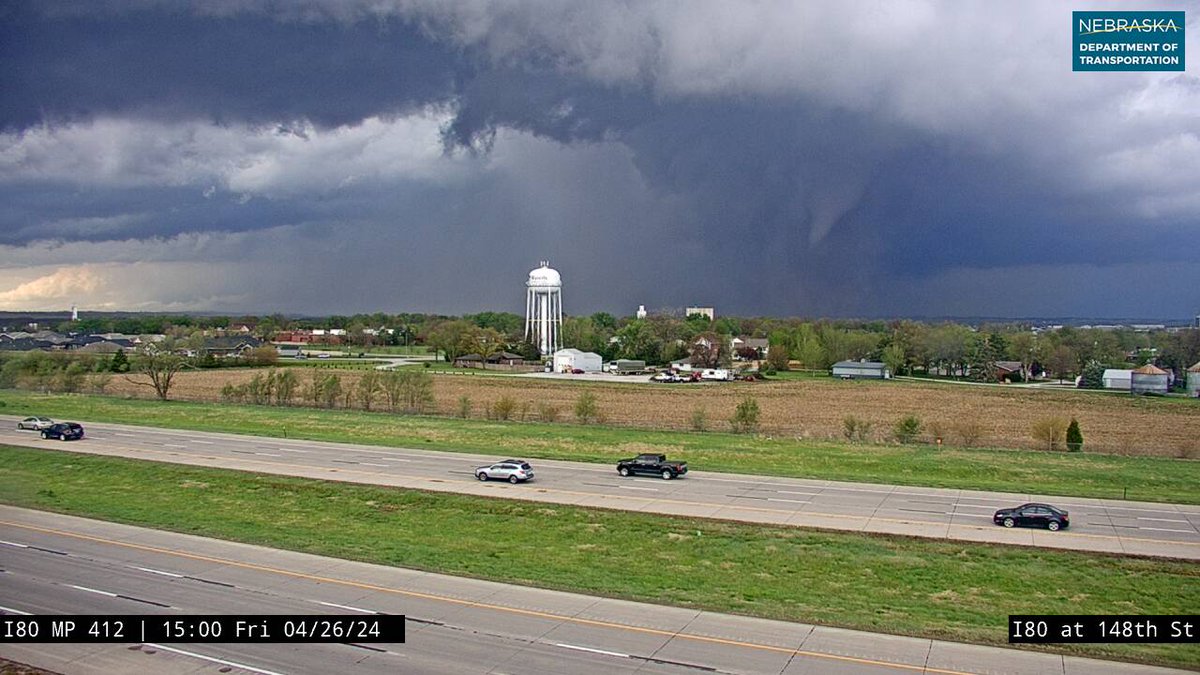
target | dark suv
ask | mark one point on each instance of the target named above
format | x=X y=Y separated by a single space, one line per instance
x=64 y=431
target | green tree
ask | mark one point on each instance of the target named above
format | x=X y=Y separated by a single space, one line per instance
x=907 y=429
x=745 y=416
x=1092 y=376
x=586 y=408
x=1074 y=436
x=119 y=363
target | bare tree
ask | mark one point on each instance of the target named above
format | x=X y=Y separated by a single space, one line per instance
x=158 y=364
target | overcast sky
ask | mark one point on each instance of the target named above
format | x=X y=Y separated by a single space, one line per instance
x=916 y=158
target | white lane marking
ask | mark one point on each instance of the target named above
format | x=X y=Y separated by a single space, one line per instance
x=973 y=506
x=117 y=433
x=352 y=609
x=631 y=487
x=92 y=590
x=1164 y=529
x=213 y=659
x=173 y=445
x=13 y=543
x=793 y=501
x=14 y=611
x=1164 y=520
x=382 y=466
x=165 y=574
x=589 y=649
x=792 y=492
x=196 y=440
x=267 y=454
x=302 y=452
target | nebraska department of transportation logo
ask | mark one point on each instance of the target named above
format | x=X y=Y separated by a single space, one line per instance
x=1128 y=40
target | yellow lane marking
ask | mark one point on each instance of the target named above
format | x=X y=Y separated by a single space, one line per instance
x=648 y=500
x=473 y=603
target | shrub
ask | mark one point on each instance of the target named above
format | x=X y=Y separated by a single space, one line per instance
x=1050 y=430
x=1074 y=436
x=907 y=429
x=937 y=430
x=586 y=409
x=464 y=406
x=503 y=408
x=745 y=416
x=547 y=412
x=855 y=429
x=969 y=432
x=699 y=419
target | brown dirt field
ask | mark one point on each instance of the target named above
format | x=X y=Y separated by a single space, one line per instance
x=810 y=409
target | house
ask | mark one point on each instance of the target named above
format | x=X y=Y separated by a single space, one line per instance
x=289 y=351
x=1116 y=378
x=1010 y=371
x=102 y=347
x=867 y=370
x=468 y=361
x=1149 y=380
x=231 y=345
x=759 y=345
x=567 y=360
x=506 y=359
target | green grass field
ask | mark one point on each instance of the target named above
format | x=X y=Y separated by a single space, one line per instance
x=945 y=590
x=1075 y=474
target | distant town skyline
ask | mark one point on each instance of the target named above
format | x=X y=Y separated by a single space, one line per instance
x=923 y=159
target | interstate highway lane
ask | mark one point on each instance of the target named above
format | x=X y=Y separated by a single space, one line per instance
x=1115 y=526
x=62 y=564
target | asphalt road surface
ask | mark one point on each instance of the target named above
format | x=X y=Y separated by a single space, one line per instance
x=1135 y=528
x=54 y=564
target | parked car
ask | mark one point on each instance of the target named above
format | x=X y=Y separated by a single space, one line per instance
x=652 y=465
x=1033 y=515
x=666 y=376
x=511 y=470
x=63 y=431
x=35 y=423
x=577 y=371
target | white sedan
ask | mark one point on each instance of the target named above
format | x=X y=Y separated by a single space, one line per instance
x=35 y=423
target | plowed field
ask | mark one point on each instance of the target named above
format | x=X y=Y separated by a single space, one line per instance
x=807 y=409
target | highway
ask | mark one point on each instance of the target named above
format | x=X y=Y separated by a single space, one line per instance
x=52 y=563
x=1124 y=527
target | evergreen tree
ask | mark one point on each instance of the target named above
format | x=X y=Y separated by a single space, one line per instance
x=1074 y=436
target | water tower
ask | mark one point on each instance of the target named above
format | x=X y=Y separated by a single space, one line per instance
x=543 y=308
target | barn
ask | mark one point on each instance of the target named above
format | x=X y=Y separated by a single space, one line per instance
x=1116 y=378
x=849 y=370
x=1193 y=381
x=566 y=360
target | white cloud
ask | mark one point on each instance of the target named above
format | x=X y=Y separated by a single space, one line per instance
x=264 y=160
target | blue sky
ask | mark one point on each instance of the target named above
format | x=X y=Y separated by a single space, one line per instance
x=788 y=158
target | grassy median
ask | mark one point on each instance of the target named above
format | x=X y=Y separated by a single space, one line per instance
x=1075 y=474
x=946 y=590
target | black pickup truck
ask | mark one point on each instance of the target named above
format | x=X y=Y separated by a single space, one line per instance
x=652 y=465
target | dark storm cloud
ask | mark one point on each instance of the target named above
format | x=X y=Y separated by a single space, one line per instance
x=737 y=156
x=170 y=63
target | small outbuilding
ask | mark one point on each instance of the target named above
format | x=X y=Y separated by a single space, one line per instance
x=566 y=360
x=1116 y=378
x=1149 y=380
x=469 y=361
x=868 y=370
x=1193 y=381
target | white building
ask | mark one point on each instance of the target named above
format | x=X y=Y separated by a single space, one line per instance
x=870 y=370
x=1149 y=380
x=543 y=308
x=641 y=313
x=1193 y=381
x=1115 y=378
x=566 y=360
x=702 y=311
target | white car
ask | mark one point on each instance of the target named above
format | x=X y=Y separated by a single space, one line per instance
x=511 y=470
x=35 y=423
